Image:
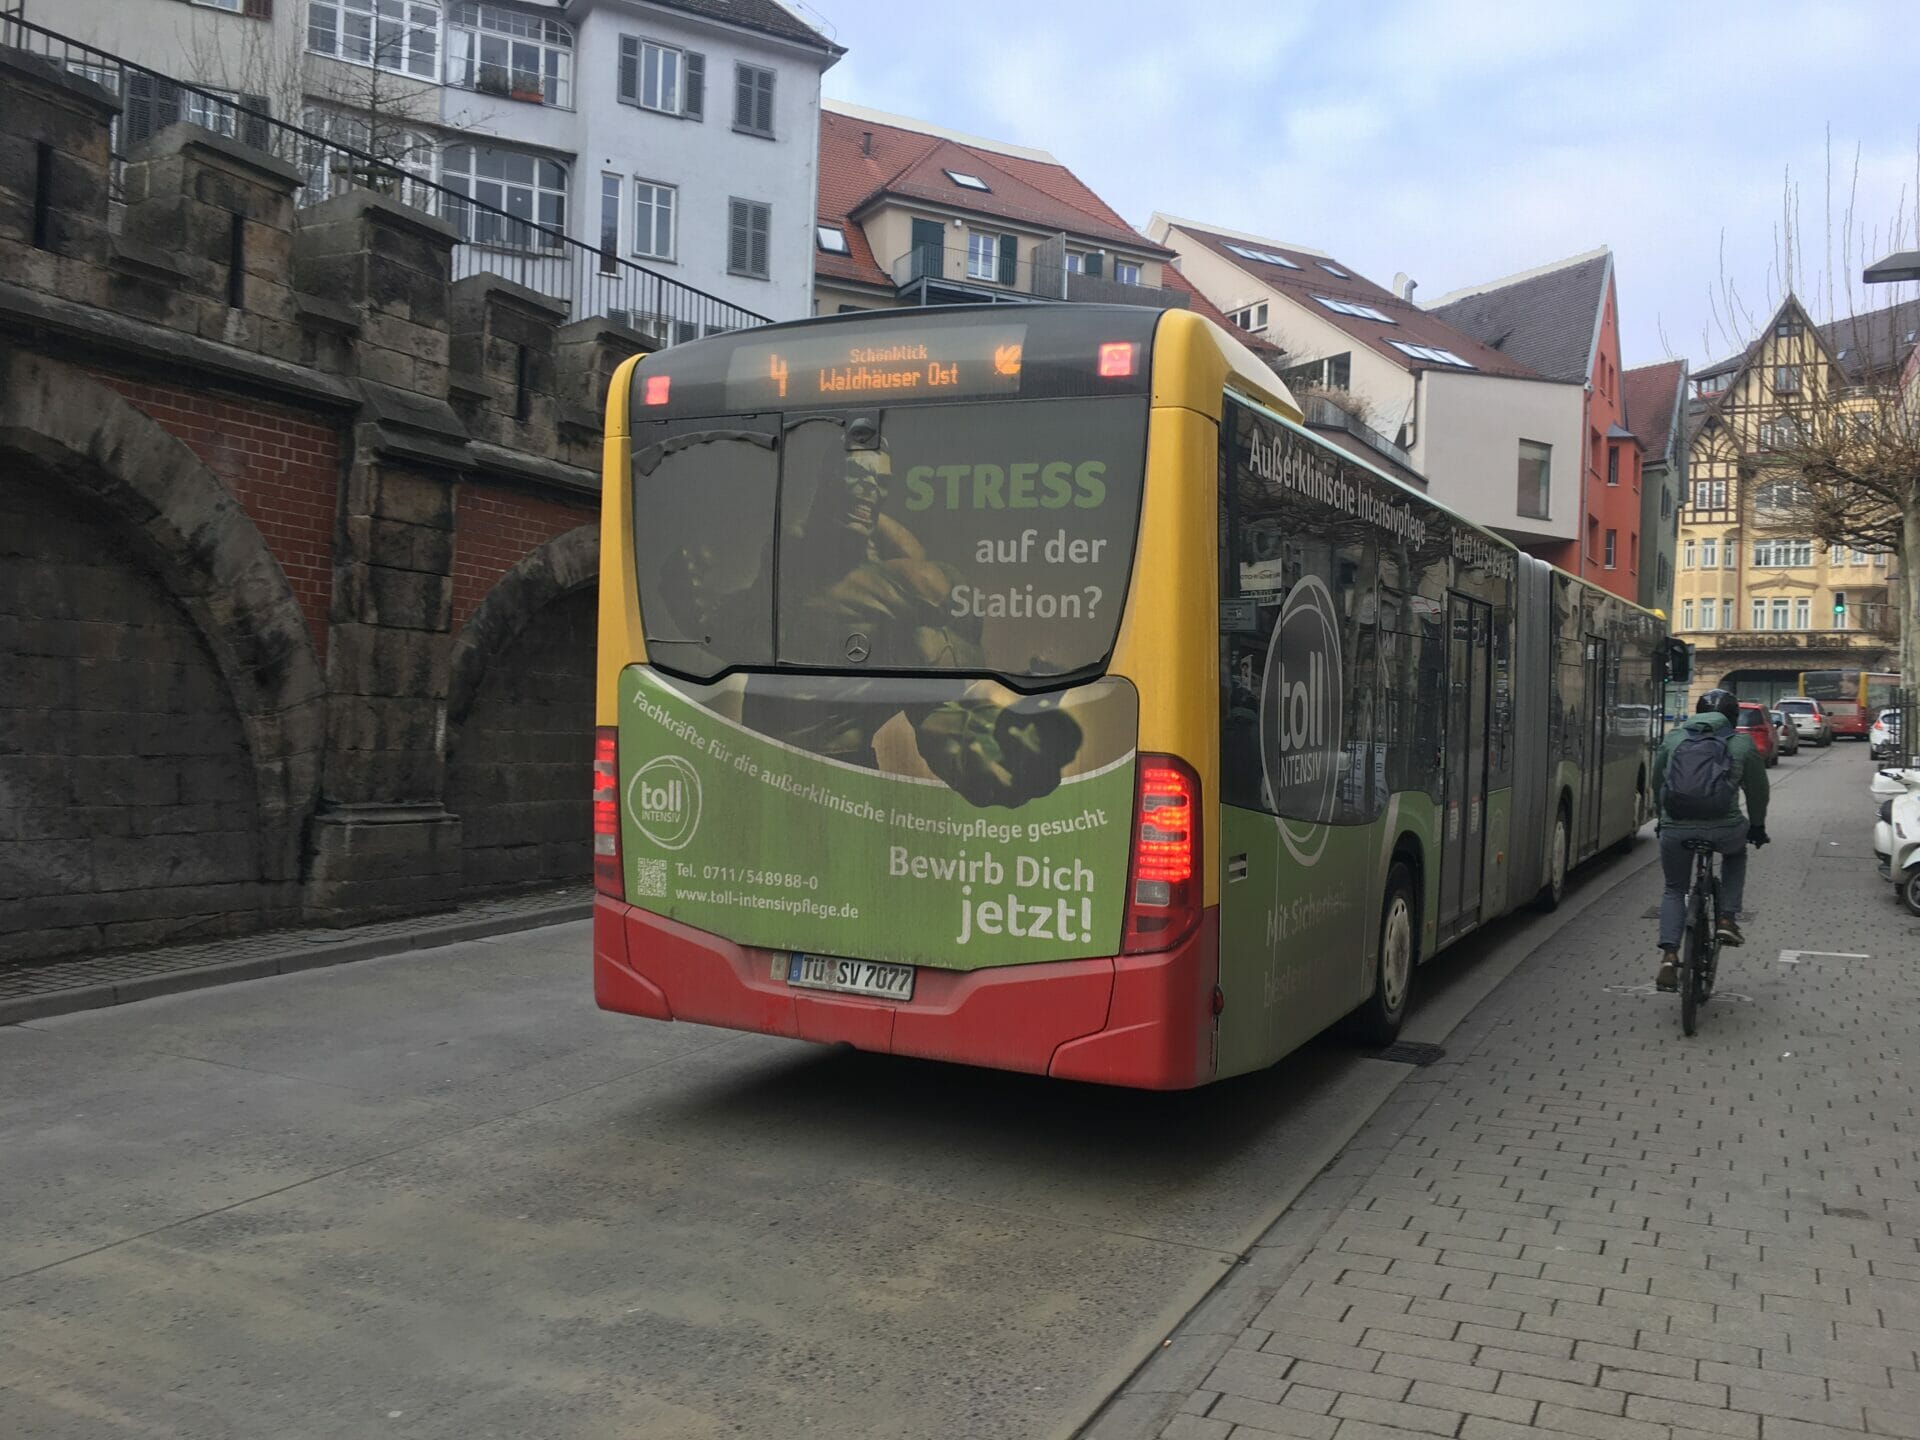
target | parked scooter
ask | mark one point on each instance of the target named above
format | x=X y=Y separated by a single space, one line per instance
x=1896 y=835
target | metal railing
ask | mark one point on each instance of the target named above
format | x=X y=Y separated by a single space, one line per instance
x=1905 y=705
x=536 y=253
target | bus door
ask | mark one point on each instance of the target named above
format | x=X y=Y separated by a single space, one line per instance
x=1463 y=847
x=1594 y=768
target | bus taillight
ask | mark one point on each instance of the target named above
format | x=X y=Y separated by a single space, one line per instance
x=1163 y=898
x=606 y=812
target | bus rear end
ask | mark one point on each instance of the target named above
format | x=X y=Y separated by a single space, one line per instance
x=1840 y=695
x=868 y=769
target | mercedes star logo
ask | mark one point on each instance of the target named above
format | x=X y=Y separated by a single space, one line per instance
x=857 y=647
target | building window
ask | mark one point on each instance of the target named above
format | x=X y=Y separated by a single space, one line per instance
x=966 y=181
x=1780 y=613
x=1707 y=614
x=1786 y=379
x=1790 y=328
x=1706 y=385
x=1709 y=494
x=1633 y=549
x=1612 y=547
x=1802 y=613
x=398 y=35
x=502 y=52
x=1253 y=317
x=1126 y=272
x=1857 y=557
x=1334 y=372
x=1686 y=555
x=528 y=188
x=753 y=100
x=1709 y=554
x=1613 y=465
x=749 y=223
x=1880 y=559
x=328 y=172
x=1759 y=614
x=1536 y=479
x=983 y=256
x=1686 y=614
x=659 y=77
x=654 y=209
x=1076 y=262
x=832 y=239
x=235 y=6
x=1351 y=308
x=1782 y=554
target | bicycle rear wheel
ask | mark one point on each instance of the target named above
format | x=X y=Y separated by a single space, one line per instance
x=1692 y=959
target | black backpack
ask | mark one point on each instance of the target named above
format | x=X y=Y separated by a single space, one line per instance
x=1700 y=783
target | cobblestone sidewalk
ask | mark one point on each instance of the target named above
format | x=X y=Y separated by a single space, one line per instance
x=1581 y=1224
x=32 y=989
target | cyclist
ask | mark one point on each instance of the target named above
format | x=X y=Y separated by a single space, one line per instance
x=1699 y=774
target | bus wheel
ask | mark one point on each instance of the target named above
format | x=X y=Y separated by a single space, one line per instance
x=1556 y=887
x=1378 y=1021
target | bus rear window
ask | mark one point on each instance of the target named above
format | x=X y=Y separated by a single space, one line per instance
x=988 y=537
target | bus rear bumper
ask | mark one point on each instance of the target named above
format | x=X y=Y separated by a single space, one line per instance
x=1143 y=1021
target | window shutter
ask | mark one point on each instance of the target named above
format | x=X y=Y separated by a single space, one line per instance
x=762 y=223
x=152 y=105
x=1009 y=258
x=737 y=242
x=259 y=9
x=1094 y=263
x=743 y=96
x=696 y=86
x=254 y=129
x=763 y=102
x=629 y=68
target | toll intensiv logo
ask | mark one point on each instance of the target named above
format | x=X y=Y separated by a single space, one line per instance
x=664 y=800
x=1300 y=715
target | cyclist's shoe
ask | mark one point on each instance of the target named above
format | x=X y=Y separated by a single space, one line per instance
x=1729 y=932
x=1669 y=976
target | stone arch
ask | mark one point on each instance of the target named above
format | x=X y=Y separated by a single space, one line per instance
x=520 y=719
x=183 y=524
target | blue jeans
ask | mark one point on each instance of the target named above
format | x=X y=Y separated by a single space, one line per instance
x=1676 y=863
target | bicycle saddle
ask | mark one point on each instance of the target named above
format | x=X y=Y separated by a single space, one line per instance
x=1700 y=845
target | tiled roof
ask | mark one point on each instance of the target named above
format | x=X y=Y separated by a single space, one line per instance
x=1172 y=279
x=767 y=16
x=1876 y=342
x=864 y=161
x=1546 y=318
x=1310 y=274
x=1651 y=394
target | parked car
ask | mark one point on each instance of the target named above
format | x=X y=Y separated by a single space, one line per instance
x=1786 y=738
x=1808 y=717
x=1756 y=723
x=1883 y=740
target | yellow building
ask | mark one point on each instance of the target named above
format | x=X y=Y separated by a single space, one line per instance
x=1757 y=596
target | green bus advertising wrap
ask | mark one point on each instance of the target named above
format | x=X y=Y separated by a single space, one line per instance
x=990 y=827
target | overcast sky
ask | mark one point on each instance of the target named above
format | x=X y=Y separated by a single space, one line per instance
x=1457 y=140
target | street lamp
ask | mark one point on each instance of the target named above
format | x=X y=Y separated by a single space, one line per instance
x=1901 y=265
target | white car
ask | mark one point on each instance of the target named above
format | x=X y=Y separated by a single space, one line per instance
x=1809 y=720
x=1883 y=740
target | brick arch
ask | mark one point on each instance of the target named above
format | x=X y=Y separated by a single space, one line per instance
x=182 y=522
x=562 y=565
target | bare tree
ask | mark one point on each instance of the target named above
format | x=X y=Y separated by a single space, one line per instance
x=1837 y=457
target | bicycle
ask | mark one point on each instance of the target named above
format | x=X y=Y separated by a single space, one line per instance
x=1700 y=944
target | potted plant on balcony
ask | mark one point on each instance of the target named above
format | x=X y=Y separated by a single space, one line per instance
x=525 y=85
x=492 y=80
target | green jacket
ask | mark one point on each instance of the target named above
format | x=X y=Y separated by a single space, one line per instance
x=1749 y=774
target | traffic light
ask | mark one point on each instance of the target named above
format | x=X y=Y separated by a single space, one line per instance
x=1839 y=609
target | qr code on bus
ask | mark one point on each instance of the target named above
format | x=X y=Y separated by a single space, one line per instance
x=650 y=877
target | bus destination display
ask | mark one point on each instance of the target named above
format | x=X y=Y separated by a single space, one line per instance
x=944 y=363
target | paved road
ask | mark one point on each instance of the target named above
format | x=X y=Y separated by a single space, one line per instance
x=443 y=1196
x=1581 y=1226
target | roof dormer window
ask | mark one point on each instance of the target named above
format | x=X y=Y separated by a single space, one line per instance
x=966 y=181
x=1265 y=257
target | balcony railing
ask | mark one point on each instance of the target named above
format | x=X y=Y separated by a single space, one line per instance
x=981 y=274
x=535 y=253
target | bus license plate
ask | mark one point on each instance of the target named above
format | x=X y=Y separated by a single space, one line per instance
x=854 y=977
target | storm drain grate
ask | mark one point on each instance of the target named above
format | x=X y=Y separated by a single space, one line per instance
x=1411 y=1052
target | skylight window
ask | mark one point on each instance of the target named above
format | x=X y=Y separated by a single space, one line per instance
x=1265 y=257
x=833 y=240
x=966 y=181
x=1335 y=271
x=1432 y=352
x=1355 y=309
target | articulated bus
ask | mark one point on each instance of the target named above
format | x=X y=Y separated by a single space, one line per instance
x=1851 y=698
x=1028 y=687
